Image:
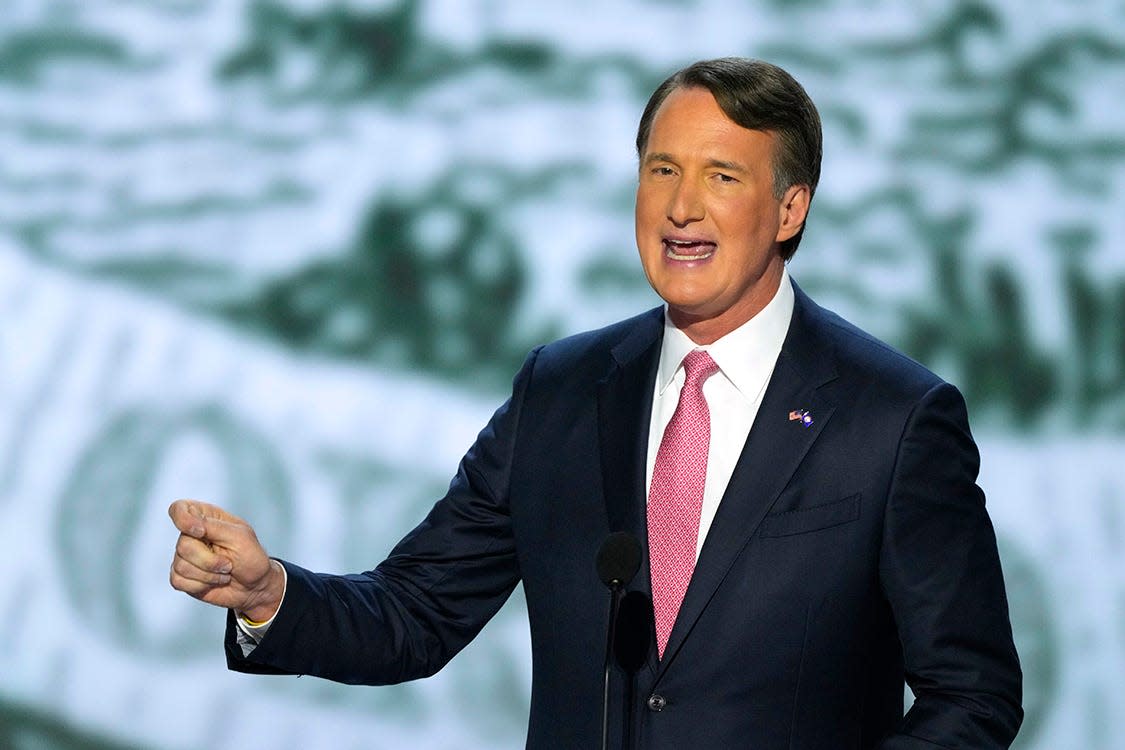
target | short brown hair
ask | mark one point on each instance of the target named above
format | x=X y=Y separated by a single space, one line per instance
x=758 y=96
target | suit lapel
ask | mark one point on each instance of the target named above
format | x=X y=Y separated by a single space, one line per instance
x=624 y=409
x=773 y=450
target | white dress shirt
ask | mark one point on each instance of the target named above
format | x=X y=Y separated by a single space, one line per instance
x=746 y=357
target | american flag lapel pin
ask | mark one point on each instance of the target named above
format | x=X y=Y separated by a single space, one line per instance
x=802 y=416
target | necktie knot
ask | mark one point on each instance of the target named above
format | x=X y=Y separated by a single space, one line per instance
x=698 y=366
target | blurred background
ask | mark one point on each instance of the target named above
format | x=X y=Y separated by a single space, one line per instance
x=245 y=242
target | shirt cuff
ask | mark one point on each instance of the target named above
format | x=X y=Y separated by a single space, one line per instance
x=250 y=633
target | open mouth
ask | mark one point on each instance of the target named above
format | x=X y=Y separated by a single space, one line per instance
x=686 y=250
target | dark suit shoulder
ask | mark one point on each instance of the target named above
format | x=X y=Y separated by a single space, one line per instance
x=859 y=356
x=591 y=352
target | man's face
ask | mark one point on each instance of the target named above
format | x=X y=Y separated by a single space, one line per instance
x=708 y=224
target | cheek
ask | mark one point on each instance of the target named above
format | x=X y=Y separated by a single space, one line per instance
x=652 y=199
x=644 y=207
x=747 y=227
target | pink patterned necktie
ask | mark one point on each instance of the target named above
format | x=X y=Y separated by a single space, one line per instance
x=676 y=495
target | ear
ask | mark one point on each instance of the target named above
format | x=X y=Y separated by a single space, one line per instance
x=792 y=210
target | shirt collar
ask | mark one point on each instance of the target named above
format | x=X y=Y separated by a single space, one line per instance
x=746 y=356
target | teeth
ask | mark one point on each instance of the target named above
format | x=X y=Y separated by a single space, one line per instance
x=689 y=256
x=671 y=253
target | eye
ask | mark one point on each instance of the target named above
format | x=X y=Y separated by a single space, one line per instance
x=725 y=178
x=663 y=171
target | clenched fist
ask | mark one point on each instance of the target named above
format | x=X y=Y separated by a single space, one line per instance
x=219 y=560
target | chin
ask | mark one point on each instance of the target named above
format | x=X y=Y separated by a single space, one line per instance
x=691 y=310
x=686 y=297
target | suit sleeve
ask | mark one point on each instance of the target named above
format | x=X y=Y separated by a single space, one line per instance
x=431 y=596
x=941 y=574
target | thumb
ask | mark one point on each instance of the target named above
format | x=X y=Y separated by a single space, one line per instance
x=228 y=531
x=187 y=517
x=203 y=520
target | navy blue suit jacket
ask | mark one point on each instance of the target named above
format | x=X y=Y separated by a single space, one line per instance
x=846 y=554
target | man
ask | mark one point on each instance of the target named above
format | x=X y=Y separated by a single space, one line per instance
x=813 y=531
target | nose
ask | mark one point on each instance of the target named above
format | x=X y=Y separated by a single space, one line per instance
x=685 y=204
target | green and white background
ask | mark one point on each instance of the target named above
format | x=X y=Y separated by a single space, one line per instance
x=285 y=257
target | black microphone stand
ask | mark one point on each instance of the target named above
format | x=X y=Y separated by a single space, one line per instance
x=617 y=562
x=634 y=633
x=615 y=591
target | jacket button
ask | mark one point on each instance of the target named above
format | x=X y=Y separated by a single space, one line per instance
x=656 y=703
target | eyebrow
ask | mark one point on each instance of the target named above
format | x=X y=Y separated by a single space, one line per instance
x=716 y=163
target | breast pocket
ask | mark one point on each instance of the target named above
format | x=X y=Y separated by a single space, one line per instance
x=817 y=517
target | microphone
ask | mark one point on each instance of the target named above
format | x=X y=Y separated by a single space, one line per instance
x=617 y=562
